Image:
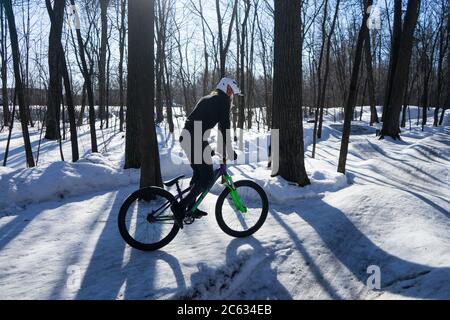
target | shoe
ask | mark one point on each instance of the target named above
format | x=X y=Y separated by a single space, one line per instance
x=198 y=214
x=178 y=214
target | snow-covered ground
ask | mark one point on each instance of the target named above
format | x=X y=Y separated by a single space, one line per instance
x=59 y=237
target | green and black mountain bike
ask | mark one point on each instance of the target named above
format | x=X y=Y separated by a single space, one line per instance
x=148 y=225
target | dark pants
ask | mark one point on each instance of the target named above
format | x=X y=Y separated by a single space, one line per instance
x=203 y=173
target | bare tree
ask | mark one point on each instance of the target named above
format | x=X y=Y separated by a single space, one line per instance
x=161 y=24
x=391 y=124
x=122 y=37
x=319 y=76
x=4 y=66
x=56 y=14
x=87 y=75
x=62 y=67
x=351 y=100
x=241 y=107
x=447 y=99
x=141 y=16
x=102 y=60
x=70 y=108
x=19 y=86
x=287 y=92
x=327 y=70
x=266 y=76
x=370 y=81
x=224 y=43
x=440 y=69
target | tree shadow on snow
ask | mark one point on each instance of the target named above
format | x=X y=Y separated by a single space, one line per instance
x=413 y=190
x=14 y=228
x=357 y=252
x=314 y=268
x=110 y=275
x=246 y=274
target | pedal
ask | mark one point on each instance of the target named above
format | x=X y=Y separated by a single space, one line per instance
x=189 y=220
x=198 y=214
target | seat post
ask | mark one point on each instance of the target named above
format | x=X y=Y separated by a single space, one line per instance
x=180 y=193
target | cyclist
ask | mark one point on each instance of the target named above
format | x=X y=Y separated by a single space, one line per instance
x=210 y=111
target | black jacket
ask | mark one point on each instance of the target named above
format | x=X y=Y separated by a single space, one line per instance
x=211 y=110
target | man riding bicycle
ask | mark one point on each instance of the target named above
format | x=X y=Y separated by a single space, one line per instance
x=210 y=111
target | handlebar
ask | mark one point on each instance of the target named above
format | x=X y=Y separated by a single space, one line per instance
x=224 y=159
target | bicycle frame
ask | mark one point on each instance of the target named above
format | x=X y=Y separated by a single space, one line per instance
x=227 y=181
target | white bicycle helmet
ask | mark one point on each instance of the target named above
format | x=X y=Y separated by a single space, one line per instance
x=225 y=82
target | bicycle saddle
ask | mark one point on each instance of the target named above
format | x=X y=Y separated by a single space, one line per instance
x=170 y=183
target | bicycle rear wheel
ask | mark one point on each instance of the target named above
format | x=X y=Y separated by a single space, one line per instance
x=245 y=221
x=146 y=221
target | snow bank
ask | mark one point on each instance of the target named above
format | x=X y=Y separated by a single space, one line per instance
x=60 y=179
x=280 y=191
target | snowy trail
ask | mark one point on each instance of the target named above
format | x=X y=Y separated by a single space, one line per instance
x=395 y=215
x=309 y=250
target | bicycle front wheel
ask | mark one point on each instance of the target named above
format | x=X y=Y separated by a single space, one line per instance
x=243 y=213
x=146 y=221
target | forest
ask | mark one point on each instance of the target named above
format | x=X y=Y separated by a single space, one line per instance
x=343 y=126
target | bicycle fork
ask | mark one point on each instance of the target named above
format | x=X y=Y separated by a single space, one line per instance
x=228 y=182
x=234 y=195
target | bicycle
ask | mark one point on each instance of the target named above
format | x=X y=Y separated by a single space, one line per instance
x=243 y=202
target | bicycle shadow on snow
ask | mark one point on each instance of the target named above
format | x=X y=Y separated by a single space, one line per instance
x=116 y=271
x=246 y=274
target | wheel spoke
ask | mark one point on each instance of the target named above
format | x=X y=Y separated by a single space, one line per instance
x=148 y=222
x=241 y=223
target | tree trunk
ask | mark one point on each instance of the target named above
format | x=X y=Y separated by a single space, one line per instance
x=405 y=105
x=25 y=77
x=224 y=44
x=250 y=78
x=370 y=82
x=241 y=107
x=424 y=97
x=287 y=94
x=55 y=85
x=319 y=77
x=83 y=105
x=169 y=97
x=102 y=61
x=4 y=67
x=132 y=137
x=19 y=86
x=447 y=99
x=107 y=87
x=267 y=103
x=394 y=55
x=141 y=73
x=327 y=70
x=391 y=125
x=187 y=103
x=11 y=127
x=351 y=100
x=70 y=108
x=159 y=75
x=87 y=74
x=440 y=74
x=205 y=53
x=122 y=35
